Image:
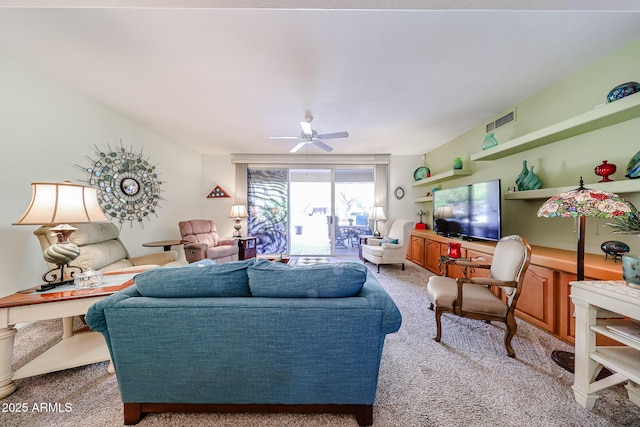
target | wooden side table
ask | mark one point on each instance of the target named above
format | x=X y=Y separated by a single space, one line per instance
x=247 y=247
x=166 y=244
x=362 y=240
x=74 y=349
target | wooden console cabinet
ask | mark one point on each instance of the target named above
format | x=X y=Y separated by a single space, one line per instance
x=545 y=300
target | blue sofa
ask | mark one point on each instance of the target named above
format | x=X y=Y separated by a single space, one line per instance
x=248 y=336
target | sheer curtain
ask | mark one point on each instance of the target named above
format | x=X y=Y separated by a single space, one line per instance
x=381 y=176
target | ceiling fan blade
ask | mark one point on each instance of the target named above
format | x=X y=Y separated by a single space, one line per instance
x=322 y=145
x=306 y=128
x=297 y=147
x=284 y=137
x=334 y=135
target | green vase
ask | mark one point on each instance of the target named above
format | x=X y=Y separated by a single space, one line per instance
x=457 y=163
x=522 y=176
x=489 y=141
x=531 y=181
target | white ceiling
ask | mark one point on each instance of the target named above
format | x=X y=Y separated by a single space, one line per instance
x=403 y=78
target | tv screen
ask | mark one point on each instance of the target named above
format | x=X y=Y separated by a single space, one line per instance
x=468 y=211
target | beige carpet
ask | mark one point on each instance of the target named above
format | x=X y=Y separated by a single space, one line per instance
x=467 y=380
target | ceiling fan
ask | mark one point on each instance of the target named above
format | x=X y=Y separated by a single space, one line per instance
x=310 y=136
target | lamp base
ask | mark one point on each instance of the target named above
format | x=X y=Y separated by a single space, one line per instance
x=567 y=360
x=48 y=286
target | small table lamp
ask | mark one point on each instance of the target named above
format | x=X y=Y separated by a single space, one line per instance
x=237 y=212
x=61 y=204
x=581 y=203
x=377 y=213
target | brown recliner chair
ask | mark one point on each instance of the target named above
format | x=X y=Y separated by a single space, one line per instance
x=204 y=242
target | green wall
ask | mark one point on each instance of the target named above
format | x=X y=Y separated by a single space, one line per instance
x=562 y=163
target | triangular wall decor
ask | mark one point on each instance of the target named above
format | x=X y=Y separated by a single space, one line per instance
x=217 y=193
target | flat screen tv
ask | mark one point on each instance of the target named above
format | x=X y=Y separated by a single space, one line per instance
x=468 y=211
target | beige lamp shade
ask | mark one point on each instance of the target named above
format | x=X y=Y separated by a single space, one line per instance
x=444 y=212
x=66 y=203
x=238 y=211
x=377 y=212
x=61 y=205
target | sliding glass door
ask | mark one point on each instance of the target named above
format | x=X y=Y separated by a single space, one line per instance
x=309 y=212
x=310 y=207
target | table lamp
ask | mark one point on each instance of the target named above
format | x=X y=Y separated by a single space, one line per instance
x=377 y=213
x=581 y=203
x=237 y=212
x=60 y=205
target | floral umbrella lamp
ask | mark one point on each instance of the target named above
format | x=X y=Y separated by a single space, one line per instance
x=581 y=203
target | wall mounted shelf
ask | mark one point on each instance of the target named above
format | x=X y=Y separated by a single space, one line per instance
x=618 y=111
x=423 y=199
x=452 y=174
x=618 y=187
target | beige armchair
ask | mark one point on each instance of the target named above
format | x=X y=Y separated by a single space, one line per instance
x=101 y=249
x=473 y=297
x=392 y=248
x=204 y=242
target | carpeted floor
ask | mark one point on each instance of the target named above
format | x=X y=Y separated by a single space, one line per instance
x=466 y=380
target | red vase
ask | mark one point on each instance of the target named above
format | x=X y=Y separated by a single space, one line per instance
x=454 y=250
x=604 y=170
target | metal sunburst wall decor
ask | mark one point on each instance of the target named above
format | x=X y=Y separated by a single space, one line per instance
x=128 y=185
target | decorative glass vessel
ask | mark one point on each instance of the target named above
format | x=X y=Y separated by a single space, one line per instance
x=604 y=170
x=531 y=181
x=623 y=90
x=489 y=141
x=453 y=250
x=522 y=176
x=457 y=163
x=633 y=168
x=631 y=270
x=614 y=249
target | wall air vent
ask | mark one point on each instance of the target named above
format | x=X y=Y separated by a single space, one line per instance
x=501 y=121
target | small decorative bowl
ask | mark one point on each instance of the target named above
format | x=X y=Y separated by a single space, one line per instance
x=623 y=90
x=614 y=249
x=88 y=279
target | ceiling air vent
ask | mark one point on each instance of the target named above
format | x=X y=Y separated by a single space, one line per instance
x=501 y=121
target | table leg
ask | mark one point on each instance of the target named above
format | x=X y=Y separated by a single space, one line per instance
x=585 y=367
x=67 y=327
x=7 y=386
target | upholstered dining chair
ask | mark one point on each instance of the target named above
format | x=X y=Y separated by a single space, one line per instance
x=473 y=297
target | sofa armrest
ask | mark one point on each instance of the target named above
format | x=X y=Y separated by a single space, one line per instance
x=392 y=246
x=196 y=246
x=374 y=242
x=195 y=251
x=159 y=258
x=380 y=299
x=95 y=317
x=226 y=242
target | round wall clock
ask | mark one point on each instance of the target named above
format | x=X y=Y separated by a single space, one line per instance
x=399 y=193
x=128 y=186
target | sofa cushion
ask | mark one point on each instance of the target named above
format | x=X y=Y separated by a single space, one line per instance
x=278 y=280
x=199 y=280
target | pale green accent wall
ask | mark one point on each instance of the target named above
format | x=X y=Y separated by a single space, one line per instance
x=48 y=129
x=560 y=163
